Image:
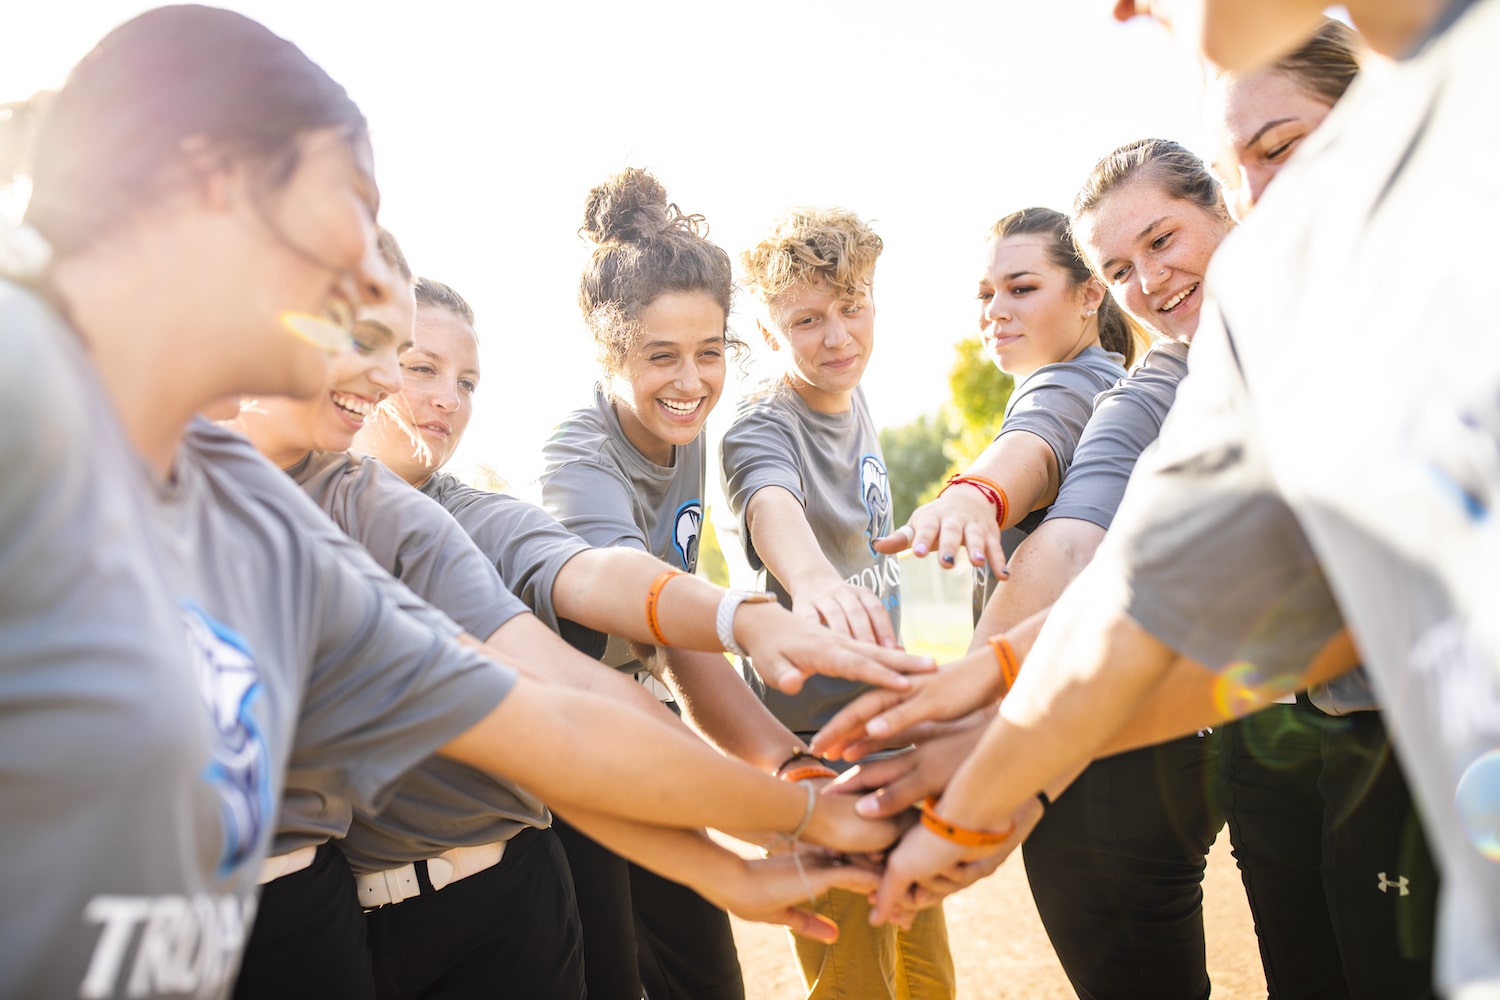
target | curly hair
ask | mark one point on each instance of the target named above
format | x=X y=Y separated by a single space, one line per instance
x=645 y=247
x=809 y=246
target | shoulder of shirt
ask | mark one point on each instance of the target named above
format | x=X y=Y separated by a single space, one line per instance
x=765 y=395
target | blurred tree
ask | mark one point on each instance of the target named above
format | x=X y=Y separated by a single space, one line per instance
x=979 y=392
x=922 y=455
x=915 y=459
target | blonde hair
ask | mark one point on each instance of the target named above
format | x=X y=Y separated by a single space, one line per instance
x=809 y=246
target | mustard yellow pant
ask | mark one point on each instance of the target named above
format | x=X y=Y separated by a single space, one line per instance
x=876 y=963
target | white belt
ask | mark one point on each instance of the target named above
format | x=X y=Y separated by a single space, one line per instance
x=396 y=884
x=272 y=869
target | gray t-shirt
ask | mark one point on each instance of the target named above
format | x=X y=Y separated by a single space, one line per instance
x=169 y=654
x=527 y=545
x=410 y=537
x=607 y=493
x=1126 y=418
x=375 y=683
x=440 y=803
x=1054 y=403
x=1371 y=358
x=1244 y=595
x=832 y=464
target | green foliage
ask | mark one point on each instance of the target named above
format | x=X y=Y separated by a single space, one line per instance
x=922 y=455
x=915 y=458
x=979 y=394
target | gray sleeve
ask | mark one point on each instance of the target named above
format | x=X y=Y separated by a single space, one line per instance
x=385 y=690
x=230 y=451
x=526 y=544
x=1214 y=563
x=413 y=538
x=1054 y=405
x=594 y=502
x=1125 y=420
x=758 y=450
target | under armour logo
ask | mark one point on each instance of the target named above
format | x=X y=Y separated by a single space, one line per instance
x=1399 y=885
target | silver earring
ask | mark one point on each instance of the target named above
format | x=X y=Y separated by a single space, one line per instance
x=1088 y=312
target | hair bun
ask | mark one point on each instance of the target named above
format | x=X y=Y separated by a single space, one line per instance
x=630 y=207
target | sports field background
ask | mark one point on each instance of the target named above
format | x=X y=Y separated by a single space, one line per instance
x=999 y=947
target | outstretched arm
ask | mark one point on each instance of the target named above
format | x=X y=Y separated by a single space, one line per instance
x=778 y=529
x=1022 y=464
x=769 y=890
x=576 y=748
x=605 y=589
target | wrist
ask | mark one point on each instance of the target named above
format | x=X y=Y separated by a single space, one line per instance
x=803 y=765
x=730 y=605
x=1007 y=664
x=756 y=620
x=993 y=493
x=971 y=837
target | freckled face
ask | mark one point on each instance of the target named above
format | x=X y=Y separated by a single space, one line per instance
x=827 y=335
x=1152 y=250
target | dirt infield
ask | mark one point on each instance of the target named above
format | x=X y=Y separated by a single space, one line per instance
x=1002 y=952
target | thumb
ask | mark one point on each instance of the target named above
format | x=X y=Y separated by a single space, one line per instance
x=805 y=923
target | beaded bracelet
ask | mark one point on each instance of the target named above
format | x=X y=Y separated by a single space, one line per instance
x=1010 y=664
x=652 y=597
x=960 y=835
x=993 y=492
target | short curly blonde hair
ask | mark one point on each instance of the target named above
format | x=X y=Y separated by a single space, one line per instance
x=810 y=246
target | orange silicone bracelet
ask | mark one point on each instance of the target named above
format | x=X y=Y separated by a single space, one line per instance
x=1010 y=664
x=962 y=836
x=807 y=771
x=653 y=596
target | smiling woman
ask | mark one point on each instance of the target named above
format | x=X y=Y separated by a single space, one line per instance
x=629 y=471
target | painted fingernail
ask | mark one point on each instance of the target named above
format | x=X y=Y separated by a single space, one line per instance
x=877 y=727
x=920 y=549
x=947 y=558
x=867 y=806
x=979 y=557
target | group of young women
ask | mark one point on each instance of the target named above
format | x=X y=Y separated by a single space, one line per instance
x=289 y=709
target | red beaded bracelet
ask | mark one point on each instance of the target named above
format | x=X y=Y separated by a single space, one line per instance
x=993 y=492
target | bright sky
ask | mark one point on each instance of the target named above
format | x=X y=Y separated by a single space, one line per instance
x=491 y=123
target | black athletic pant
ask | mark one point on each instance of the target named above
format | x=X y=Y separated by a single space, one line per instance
x=1341 y=884
x=308 y=942
x=510 y=931
x=644 y=935
x=1116 y=869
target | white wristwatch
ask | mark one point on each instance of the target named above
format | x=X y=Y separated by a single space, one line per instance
x=724 y=619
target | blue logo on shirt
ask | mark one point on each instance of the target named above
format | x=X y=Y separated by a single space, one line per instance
x=875 y=488
x=229 y=682
x=685 y=531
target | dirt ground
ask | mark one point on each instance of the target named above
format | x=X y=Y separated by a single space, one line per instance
x=1002 y=953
